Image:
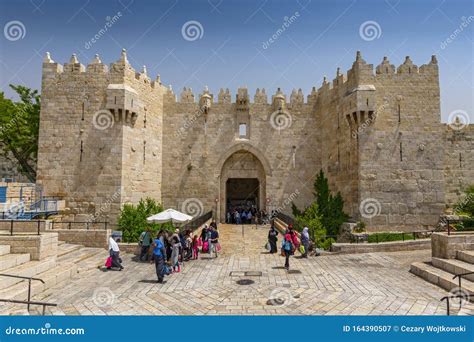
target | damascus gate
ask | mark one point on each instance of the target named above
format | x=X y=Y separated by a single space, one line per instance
x=111 y=135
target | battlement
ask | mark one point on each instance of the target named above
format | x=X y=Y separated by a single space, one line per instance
x=361 y=73
x=118 y=72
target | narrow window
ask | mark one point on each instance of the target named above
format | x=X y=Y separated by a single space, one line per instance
x=242 y=130
x=399 y=115
x=82 y=150
x=83 y=107
x=144 y=152
x=460 y=160
x=401 y=151
x=144 y=120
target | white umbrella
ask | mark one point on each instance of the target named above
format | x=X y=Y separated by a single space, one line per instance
x=169 y=215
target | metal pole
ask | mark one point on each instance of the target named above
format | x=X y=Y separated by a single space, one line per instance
x=449 y=228
x=447 y=305
x=29 y=294
x=39 y=227
x=11 y=227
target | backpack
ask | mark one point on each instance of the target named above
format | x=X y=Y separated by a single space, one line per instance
x=287 y=245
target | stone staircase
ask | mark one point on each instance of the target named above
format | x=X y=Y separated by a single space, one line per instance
x=441 y=272
x=70 y=260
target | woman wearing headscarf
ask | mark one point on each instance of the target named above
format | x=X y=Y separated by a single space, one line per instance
x=305 y=241
x=114 y=252
x=272 y=239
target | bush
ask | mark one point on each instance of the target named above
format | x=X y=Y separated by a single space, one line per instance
x=132 y=220
x=360 y=227
x=387 y=237
x=465 y=206
x=325 y=243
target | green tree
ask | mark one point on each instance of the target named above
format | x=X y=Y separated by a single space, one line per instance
x=132 y=220
x=19 y=128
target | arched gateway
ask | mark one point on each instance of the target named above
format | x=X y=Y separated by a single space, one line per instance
x=243 y=178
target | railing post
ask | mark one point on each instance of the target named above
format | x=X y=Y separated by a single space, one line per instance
x=29 y=294
x=403 y=236
x=39 y=227
x=87 y=225
x=11 y=227
x=414 y=236
x=69 y=225
x=447 y=305
x=105 y=225
x=52 y=225
x=449 y=228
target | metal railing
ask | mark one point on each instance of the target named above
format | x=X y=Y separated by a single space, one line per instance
x=34 y=227
x=198 y=221
x=447 y=298
x=460 y=275
x=87 y=225
x=27 y=302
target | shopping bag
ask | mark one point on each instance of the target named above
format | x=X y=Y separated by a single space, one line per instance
x=108 y=262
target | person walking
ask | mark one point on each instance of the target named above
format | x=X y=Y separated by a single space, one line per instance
x=114 y=252
x=195 y=245
x=159 y=256
x=214 y=245
x=272 y=239
x=145 y=242
x=176 y=247
x=287 y=246
x=305 y=241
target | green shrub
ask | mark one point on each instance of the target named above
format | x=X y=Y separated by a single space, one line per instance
x=387 y=237
x=465 y=206
x=360 y=227
x=132 y=220
x=325 y=243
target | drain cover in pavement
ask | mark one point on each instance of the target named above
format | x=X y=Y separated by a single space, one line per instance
x=245 y=282
x=294 y=271
x=245 y=274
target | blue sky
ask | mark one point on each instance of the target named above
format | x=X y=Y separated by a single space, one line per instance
x=229 y=50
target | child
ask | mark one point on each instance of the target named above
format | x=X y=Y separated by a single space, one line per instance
x=195 y=246
x=176 y=245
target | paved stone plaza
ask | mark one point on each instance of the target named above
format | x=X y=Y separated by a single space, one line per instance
x=357 y=284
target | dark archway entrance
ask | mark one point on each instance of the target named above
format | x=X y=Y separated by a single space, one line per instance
x=243 y=193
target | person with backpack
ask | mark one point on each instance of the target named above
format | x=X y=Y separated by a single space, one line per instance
x=214 y=242
x=145 y=242
x=287 y=246
x=159 y=256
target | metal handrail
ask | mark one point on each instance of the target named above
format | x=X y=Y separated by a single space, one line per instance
x=447 y=298
x=87 y=223
x=29 y=284
x=15 y=301
x=12 y=222
x=460 y=275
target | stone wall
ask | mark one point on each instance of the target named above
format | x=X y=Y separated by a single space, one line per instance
x=9 y=167
x=38 y=246
x=113 y=136
x=445 y=246
x=87 y=238
x=394 y=246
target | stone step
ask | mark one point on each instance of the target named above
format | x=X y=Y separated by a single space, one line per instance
x=51 y=277
x=29 y=269
x=467 y=256
x=4 y=249
x=67 y=248
x=440 y=277
x=11 y=260
x=81 y=255
x=454 y=266
x=95 y=260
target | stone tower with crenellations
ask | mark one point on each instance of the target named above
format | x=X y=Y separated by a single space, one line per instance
x=110 y=135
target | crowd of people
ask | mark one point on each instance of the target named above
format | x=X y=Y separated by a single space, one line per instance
x=170 y=250
x=246 y=215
